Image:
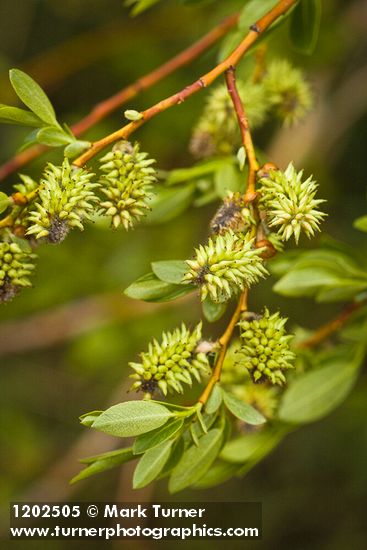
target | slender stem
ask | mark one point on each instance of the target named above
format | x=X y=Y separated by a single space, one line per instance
x=326 y=330
x=206 y=80
x=250 y=196
x=245 y=131
x=224 y=341
x=106 y=107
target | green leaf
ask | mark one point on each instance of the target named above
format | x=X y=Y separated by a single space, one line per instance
x=215 y=400
x=151 y=289
x=14 y=115
x=182 y=175
x=315 y=394
x=170 y=271
x=169 y=203
x=76 y=148
x=178 y=449
x=242 y=410
x=361 y=224
x=5 y=201
x=217 y=474
x=53 y=137
x=140 y=5
x=305 y=25
x=151 y=464
x=253 y=11
x=196 y=461
x=213 y=311
x=227 y=179
x=132 y=418
x=103 y=462
x=327 y=274
x=252 y=447
x=156 y=437
x=33 y=96
x=88 y=419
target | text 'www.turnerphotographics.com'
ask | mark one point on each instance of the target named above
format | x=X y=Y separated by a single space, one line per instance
x=227 y=520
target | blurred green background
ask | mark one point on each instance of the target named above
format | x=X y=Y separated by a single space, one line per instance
x=65 y=344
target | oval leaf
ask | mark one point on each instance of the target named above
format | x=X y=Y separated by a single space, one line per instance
x=87 y=419
x=242 y=410
x=156 y=437
x=196 y=461
x=151 y=289
x=169 y=203
x=215 y=400
x=33 y=96
x=104 y=462
x=14 y=115
x=132 y=418
x=151 y=464
x=252 y=447
x=76 y=148
x=212 y=311
x=170 y=271
x=218 y=473
x=315 y=394
x=5 y=201
x=227 y=179
x=53 y=137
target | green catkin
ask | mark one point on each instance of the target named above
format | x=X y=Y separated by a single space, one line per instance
x=171 y=362
x=225 y=266
x=16 y=265
x=217 y=131
x=287 y=91
x=265 y=350
x=290 y=203
x=65 y=200
x=127 y=180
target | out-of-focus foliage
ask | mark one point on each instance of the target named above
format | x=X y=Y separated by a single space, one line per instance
x=67 y=358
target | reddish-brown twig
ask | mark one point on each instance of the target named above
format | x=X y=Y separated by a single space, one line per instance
x=245 y=133
x=231 y=61
x=224 y=341
x=326 y=330
x=106 y=107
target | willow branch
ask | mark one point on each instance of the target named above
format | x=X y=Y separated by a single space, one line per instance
x=108 y=106
x=245 y=132
x=329 y=328
x=206 y=80
x=224 y=341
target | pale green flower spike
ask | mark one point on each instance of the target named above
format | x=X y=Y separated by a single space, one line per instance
x=127 y=182
x=66 y=198
x=20 y=213
x=217 y=131
x=287 y=91
x=265 y=351
x=15 y=267
x=290 y=204
x=170 y=363
x=225 y=266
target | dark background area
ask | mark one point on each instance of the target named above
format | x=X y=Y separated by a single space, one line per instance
x=65 y=344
